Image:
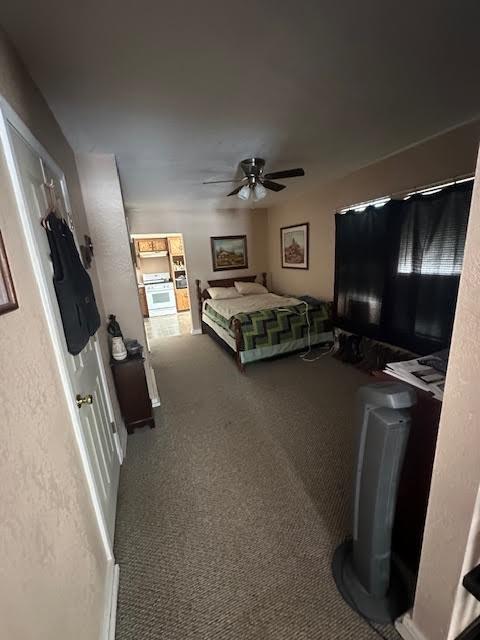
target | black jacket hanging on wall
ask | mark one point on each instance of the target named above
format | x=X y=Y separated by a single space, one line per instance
x=73 y=286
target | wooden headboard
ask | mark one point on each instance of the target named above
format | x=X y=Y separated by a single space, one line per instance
x=223 y=282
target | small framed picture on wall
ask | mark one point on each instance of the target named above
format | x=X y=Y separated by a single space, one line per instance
x=294 y=246
x=8 y=299
x=229 y=252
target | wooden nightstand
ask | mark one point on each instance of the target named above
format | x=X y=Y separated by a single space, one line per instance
x=132 y=392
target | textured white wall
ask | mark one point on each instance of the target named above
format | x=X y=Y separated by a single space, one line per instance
x=106 y=218
x=197 y=227
x=456 y=472
x=53 y=567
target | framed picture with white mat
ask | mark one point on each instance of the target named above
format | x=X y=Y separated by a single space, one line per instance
x=294 y=246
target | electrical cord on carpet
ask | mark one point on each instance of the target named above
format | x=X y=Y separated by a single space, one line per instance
x=354 y=606
x=303 y=356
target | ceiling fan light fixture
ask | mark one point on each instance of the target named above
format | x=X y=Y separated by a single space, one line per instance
x=244 y=193
x=258 y=182
x=259 y=191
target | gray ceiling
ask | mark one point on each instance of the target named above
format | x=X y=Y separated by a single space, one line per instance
x=181 y=91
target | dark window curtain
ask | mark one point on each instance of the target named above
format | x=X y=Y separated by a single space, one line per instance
x=397 y=269
x=361 y=271
x=425 y=270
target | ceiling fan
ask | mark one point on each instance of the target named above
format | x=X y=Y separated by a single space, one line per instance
x=255 y=183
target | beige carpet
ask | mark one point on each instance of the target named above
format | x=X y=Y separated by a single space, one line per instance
x=230 y=509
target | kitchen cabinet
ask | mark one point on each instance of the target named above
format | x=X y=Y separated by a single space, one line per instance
x=159 y=244
x=175 y=244
x=182 y=299
x=145 y=245
x=177 y=269
x=143 y=301
x=152 y=244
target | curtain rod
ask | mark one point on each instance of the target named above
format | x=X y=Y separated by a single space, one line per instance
x=406 y=192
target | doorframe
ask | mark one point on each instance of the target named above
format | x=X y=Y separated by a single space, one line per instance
x=8 y=116
x=166 y=234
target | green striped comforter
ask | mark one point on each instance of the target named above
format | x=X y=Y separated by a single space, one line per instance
x=272 y=327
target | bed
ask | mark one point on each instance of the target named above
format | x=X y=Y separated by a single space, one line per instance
x=257 y=327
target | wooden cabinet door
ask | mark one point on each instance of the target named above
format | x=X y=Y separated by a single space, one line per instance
x=176 y=246
x=183 y=300
x=145 y=245
x=143 y=301
x=159 y=244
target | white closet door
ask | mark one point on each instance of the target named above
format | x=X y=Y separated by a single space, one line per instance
x=84 y=370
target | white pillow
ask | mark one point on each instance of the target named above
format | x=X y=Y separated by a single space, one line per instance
x=223 y=293
x=250 y=288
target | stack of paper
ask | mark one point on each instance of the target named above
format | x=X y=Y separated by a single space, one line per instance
x=423 y=376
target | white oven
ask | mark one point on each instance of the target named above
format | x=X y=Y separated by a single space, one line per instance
x=160 y=294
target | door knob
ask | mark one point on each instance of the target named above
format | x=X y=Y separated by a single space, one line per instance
x=81 y=400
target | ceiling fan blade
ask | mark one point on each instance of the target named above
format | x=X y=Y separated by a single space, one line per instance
x=273 y=186
x=289 y=173
x=220 y=181
x=235 y=191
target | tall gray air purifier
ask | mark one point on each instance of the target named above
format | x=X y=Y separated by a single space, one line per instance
x=362 y=568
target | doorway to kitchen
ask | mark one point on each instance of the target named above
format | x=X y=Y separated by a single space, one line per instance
x=161 y=271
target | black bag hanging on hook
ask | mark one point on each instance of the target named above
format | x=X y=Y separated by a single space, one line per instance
x=73 y=286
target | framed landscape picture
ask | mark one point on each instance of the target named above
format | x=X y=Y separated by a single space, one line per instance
x=8 y=299
x=229 y=252
x=294 y=246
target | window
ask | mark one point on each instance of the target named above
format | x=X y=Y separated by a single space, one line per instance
x=398 y=266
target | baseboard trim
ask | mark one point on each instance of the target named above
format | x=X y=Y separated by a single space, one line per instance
x=113 y=609
x=196 y=332
x=407 y=628
x=123 y=442
x=111 y=591
x=118 y=446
